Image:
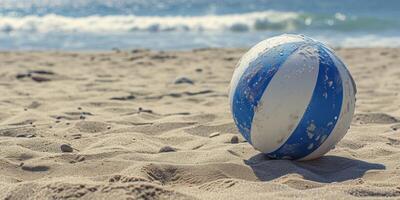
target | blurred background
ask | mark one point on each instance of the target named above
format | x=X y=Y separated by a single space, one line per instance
x=187 y=24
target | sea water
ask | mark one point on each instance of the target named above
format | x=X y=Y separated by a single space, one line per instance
x=188 y=24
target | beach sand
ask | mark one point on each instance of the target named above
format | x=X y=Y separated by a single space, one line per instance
x=157 y=125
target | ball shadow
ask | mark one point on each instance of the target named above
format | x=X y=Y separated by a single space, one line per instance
x=326 y=169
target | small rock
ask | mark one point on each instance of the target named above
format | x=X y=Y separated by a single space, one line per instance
x=199 y=70
x=66 y=148
x=229 y=58
x=129 y=97
x=395 y=127
x=214 y=134
x=140 y=109
x=40 y=79
x=76 y=136
x=181 y=80
x=235 y=139
x=41 y=72
x=167 y=149
x=26 y=135
x=19 y=76
x=21 y=135
x=80 y=158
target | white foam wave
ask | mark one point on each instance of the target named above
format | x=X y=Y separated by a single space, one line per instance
x=116 y=24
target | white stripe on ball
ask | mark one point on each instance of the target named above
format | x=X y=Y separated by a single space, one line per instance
x=289 y=91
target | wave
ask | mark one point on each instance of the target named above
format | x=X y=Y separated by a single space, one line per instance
x=254 y=21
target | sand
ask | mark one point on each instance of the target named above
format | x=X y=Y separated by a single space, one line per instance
x=156 y=125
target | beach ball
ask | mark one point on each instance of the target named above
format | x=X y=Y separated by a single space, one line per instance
x=292 y=98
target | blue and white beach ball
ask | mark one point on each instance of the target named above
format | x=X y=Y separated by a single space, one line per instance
x=292 y=98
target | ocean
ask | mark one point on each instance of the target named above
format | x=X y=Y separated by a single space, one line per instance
x=188 y=24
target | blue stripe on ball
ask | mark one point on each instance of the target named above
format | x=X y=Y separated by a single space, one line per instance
x=253 y=83
x=333 y=56
x=321 y=115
